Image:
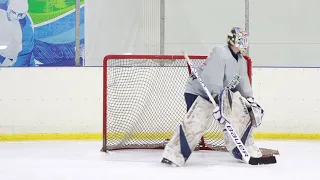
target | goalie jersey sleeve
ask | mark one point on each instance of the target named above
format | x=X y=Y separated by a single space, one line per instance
x=217 y=71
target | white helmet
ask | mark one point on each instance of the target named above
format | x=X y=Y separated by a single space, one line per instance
x=239 y=38
x=17 y=9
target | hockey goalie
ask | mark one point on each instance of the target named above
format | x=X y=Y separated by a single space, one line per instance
x=236 y=106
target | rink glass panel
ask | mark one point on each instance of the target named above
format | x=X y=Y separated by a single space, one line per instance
x=143 y=101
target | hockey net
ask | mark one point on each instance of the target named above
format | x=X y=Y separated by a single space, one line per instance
x=143 y=101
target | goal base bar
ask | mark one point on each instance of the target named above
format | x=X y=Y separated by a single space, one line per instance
x=265 y=151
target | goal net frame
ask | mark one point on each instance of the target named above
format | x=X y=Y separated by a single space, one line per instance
x=159 y=58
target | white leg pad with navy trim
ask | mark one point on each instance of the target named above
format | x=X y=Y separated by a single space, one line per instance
x=186 y=137
x=234 y=110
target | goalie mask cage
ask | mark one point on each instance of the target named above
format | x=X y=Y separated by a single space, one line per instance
x=143 y=101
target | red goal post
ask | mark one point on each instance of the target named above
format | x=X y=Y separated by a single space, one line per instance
x=143 y=101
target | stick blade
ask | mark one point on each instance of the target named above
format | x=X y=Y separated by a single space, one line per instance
x=263 y=160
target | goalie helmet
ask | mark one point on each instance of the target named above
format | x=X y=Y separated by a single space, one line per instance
x=239 y=38
x=17 y=9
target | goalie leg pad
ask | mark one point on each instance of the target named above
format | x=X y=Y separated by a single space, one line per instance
x=248 y=140
x=234 y=110
x=252 y=148
x=186 y=137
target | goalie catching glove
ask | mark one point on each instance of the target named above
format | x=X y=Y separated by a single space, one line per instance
x=256 y=112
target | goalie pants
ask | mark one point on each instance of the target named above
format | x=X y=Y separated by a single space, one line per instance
x=190 y=98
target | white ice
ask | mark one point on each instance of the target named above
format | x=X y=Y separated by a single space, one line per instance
x=82 y=160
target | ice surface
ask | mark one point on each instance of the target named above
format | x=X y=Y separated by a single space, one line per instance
x=82 y=160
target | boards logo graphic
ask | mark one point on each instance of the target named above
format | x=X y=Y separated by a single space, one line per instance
x=46 y=32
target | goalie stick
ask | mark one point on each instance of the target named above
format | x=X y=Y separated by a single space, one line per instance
x=242 y=149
